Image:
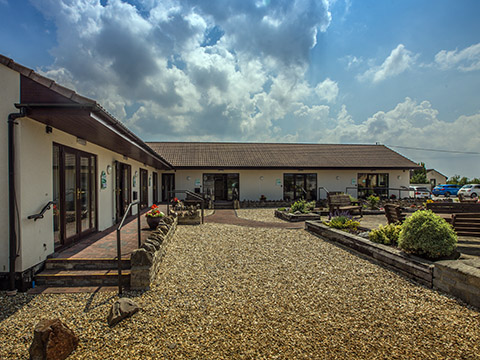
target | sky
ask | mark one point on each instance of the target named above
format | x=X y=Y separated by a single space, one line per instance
x=405 y=74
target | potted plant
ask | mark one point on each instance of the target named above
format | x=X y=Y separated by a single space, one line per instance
x=154 y=215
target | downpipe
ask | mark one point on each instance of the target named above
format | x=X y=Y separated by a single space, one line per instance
x=11 y=198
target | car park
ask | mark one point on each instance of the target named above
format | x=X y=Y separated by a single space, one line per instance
x=469 y=190
x=420 y=192
x=446 y=190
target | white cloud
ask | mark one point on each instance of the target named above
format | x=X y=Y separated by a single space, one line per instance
x=399 y=60
x=467 y=59
x=183 y=70
x=327 y=90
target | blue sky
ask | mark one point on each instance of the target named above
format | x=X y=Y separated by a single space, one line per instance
x=401 y=73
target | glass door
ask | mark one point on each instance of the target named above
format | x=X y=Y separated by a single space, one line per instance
x=123 y=188
x=74 y=190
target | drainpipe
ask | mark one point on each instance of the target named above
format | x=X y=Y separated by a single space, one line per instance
x=11 y=197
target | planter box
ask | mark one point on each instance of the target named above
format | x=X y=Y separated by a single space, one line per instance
x=295 y=218
x=410 y=266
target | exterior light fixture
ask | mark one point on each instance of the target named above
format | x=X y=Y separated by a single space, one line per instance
x=109 y=169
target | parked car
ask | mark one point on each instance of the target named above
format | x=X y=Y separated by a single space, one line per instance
x=419 y=192
x=446 y=190
x=471 y=190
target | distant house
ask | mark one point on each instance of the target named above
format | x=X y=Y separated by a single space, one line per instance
x=435 y=178
x=282 y=171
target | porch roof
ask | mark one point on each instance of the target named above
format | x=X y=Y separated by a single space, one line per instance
x=193 y=155
x=51 y=104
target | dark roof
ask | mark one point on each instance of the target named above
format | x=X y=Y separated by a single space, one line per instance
x=64 y=109
x=271 y=155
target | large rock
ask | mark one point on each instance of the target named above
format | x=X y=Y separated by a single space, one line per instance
x=121 y=309
x=52 y=340
x=141 y=257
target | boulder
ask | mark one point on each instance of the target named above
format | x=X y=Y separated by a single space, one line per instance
x=141 y=257
x=52 y=340
x=153 y=243
x=163 y=228
x=149 y=247
x=121 y=309
x=168 y=220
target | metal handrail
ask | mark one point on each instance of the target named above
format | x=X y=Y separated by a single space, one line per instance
x=35 y=217
x=119 y=243
x=322 y=188
x=191 y=193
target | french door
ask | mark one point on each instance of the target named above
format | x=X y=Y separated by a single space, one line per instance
x=74 y=189
x=155 y=188
x=168 y=184
x=143 y=188
x=123 y=188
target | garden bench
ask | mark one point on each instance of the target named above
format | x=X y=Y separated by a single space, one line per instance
x=394 y=213
x=342 y=202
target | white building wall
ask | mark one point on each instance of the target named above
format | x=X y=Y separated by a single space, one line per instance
x=9 y=95
x=254 y=183
x=35 y=186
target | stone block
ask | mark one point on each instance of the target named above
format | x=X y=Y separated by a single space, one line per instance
x=52 y=340
x=141 y=258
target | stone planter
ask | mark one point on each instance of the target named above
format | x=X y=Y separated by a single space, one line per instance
x=408 y=265
x=153 y=222
x=284 y=215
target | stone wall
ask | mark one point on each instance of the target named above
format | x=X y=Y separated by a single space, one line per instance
x=460 y=278
x=145 y=262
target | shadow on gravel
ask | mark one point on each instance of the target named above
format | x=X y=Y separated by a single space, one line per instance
x=9 y=305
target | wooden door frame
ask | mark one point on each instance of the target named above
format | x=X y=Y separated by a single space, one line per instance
x=93 y=187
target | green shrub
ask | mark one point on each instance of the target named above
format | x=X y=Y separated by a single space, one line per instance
x=282 y=209
x=343 y=223
x=373 y=201
x=425 y=233
x=387 y=234
x=303 y=206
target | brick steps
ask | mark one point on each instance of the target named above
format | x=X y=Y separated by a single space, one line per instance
x=85 y=264
x=83 y=272
x=59 y=278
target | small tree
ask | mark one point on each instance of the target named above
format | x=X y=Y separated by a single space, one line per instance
x=420 y=175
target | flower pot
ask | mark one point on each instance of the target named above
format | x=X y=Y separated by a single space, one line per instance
x=153 y=222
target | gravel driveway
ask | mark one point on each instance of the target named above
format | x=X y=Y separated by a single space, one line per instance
x=229 y=292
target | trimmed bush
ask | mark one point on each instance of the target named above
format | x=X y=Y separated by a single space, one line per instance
x=425 y=233
x=303 y=206
x=343 y=222
x=373 y=201
x=387 y=234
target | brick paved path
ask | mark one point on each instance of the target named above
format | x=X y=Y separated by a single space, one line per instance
x=228 y=216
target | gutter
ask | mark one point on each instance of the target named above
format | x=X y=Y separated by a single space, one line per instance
x=11 y=198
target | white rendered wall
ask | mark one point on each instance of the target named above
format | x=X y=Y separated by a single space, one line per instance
x=9 y=95
x=254 y=183
x=35 y=186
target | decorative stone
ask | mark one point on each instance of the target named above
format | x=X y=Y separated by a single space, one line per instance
x=163 y=228
x=141 y=257
x=52 y=340
x=149 y=247
x=168 y=220
x=121 y=309
x=157 y=236
x=153 y=243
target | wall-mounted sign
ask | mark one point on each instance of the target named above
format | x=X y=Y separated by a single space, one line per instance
x=278 y=182
x=354 y=181
x=103 y=180
x=197 y=182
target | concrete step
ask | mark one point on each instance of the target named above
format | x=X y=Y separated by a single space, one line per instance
x=223 y=205
x=85 y=264
x=60 y=278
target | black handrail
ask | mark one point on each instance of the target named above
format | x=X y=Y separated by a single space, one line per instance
x=35 y=217
x=192 y=194
x=119 y=243
x=379 y=189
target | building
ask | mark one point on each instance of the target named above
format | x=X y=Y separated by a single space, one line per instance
x=71 y=169
x=282 y=171
x=435 y=178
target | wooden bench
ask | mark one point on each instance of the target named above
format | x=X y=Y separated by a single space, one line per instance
x=394 y=213
x=342 y=202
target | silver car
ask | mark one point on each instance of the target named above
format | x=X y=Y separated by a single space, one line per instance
x=420 y=192
x=469 y=190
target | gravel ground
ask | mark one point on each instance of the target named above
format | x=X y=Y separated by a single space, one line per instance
x=265 y=215
x=227 y=292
